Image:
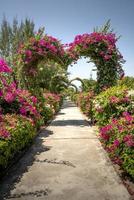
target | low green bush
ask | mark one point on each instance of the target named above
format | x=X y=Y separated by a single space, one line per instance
x=46 y=113
x=111 y=104
x=128 y=81
x=21 y=131
x=85 y=101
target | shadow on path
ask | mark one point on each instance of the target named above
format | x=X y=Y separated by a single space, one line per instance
x=17 y=171
x=67 y=104
x=70 y=123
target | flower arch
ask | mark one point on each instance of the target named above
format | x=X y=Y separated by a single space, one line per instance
x=77 y=79
x=99 y=47
x=102 y=51
x=34 y=51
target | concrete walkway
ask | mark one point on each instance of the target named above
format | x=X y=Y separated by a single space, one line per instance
x=66 y=162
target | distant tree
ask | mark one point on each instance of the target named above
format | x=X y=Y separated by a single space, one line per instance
x=89 y=84
x=5 y=39
x=12 y=35
x=106 y=28
x=49 y=76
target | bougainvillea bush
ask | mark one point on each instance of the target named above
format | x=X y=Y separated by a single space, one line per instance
x=21 y=114
x=114 y=113
x=13 y=99
x=53 y=101
x=18 y=116
x=85 y=102
x=111 y=104
x=16 y=132
x=118 y=139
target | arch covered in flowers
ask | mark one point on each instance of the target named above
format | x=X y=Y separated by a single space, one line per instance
x=102 y=51
x=30 y=54
x=99 y=47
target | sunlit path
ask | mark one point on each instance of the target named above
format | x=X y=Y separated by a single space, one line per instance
x=66 y=162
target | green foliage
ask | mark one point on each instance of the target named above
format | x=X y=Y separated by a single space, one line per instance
x=49 y=76
x=88 y=85
x=47 y=113
x=5 y=38
x=106 y=28
x=21 y=135
x=111 y=103
x=128 y=81
x=12 y=35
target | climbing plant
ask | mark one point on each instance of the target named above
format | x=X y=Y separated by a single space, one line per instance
x=31 y=53
x=102 y=51
x=100 y=47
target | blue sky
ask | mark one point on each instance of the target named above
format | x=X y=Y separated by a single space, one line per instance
x=66 y=18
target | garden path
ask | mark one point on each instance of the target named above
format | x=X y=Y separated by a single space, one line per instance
x=66 y=162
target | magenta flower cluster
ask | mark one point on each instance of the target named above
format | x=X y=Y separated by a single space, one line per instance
x=107 y=41
x=118 y=136
x=4 y=134
x=47 y=46
x=4 y=67
x=10 y=93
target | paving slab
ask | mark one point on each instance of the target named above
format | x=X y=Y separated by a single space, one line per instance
x=66 y=162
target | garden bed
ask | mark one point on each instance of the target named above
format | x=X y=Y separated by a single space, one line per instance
x=113 y=112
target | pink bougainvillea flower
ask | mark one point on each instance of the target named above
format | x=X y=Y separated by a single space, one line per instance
x=28 y=53
x=128 y=117
x=104 y=132
x=23 y=111
x=114 y=121
x=42 y=42
x=120 y=128
x=107 y=57
x=114 y=99
x=1 y=118
x=4 y=134
x=124 y=114
x=1 y=93
x=9 y=97
x=34 y=99
x=104 y=136
x=116 y=143
x=4 y=67
x=129 y=140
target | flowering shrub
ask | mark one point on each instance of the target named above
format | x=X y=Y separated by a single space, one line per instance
x=53 y=100
x=15 y=100
x=111 y=104
x=118 y=140
x=16 y=131
x=4 y=67
x=21 y=114
x=39 y=46
x=84 y=101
